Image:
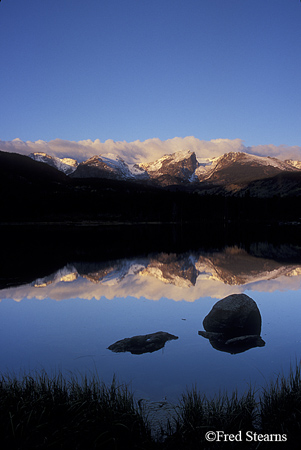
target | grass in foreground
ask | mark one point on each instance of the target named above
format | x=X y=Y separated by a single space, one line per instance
x=41 y=412
x=280 y=406
x=198 y=415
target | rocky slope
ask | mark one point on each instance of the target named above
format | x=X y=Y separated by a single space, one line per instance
x=236 y=170
x=172 y=169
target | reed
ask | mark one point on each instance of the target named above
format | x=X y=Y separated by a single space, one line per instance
x=280 y=405
x=42 y=412
x=50 y=412
x=197 y=415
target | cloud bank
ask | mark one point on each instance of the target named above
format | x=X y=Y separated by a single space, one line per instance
x=146 y=151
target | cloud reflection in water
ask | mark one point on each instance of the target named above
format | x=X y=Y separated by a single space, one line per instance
x=187 y=276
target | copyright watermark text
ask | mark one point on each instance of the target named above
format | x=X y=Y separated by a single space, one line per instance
x=248 y=436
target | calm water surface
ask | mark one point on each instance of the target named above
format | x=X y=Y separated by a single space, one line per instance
x=66 y=320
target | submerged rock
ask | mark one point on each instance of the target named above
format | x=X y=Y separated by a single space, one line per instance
x=234 y=324
x=235 y=345
x=146 y=343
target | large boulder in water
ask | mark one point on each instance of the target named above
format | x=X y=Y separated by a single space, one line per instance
x=235 y=315
x=233 y=325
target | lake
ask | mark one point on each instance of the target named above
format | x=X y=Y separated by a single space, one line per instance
x=67 y=295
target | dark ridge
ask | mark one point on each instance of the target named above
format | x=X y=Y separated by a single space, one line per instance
x=15 y=168
x=284 y=184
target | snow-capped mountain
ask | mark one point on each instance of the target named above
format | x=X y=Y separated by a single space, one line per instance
x=213 y=167
x=66 y=165
x=236 y=169
x=108 y=166
x=172 y=169
x=232 y=171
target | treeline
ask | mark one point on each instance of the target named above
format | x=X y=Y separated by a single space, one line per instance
x=117 y=201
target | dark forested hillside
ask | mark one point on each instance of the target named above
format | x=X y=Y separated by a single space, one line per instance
x=22 y=170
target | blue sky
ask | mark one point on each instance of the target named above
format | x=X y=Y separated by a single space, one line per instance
x=129 y=70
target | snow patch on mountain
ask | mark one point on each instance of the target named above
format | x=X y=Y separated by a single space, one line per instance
x=296 y=164
x=138 y=172
x=117 y=164
x=66 y=275
x=66 y=165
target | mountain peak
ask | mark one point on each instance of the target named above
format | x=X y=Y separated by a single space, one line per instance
x=107 y=166
x=66 y=165
x=172 y=169
x=236 y=169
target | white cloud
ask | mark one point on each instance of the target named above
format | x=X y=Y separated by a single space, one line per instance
x=146 y=151
x=282 y=151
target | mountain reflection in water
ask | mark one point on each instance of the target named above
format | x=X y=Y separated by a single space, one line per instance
x=187 y=276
